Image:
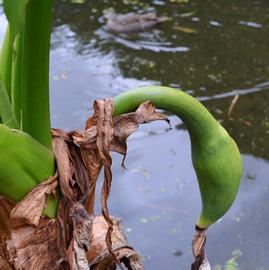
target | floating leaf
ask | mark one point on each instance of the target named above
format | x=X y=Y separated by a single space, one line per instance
x=144 y=220
x=187 y=14
x=179 y=1
x=77 y=1
x=156 y=217
x=173 y=231
x=184 y=29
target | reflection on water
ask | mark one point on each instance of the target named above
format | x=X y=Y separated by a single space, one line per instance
x=140 y=44
x=210 y=49
x=226 y=55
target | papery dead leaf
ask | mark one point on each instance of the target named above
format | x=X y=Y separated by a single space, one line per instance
x=62 y=156
x=72 y=218
x=198 y=246
x=31 y=248
x=29 y=210
x=104 y=110
x=109 y=134
x=123 y=126
x=75 y=239
x=5 y=226
x=98 y=254
x=147 y=113
x=82 y=224
x=93 y=163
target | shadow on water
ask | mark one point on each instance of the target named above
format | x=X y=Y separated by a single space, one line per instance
x=213 y=50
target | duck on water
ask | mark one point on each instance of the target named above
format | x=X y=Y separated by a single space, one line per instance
x=132 y=22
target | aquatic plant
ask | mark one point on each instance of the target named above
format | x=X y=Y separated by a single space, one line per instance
x=25 y=133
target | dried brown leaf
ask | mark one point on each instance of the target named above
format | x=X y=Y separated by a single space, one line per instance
x=123 y=127
x=104 y=111
x=147 y=113
x=130 y=258
x=64 y=243
x=93 y=163
x=98 y=254
x=198 y=250
x=29 y=210
x=73 y=222
x=108 y=134
x=5 y=226
x=76 y=253
x=64 y=166
x=72 y=172
x=31 y=248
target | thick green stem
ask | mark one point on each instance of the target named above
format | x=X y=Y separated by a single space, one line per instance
x=35 y=71
x=215 y=156
x=200 y=123
x=16 y=79
x=6 y=60
x=24 y=163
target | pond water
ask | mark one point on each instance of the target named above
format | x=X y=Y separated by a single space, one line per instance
x=213 y=50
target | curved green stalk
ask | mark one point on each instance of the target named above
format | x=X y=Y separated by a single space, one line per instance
x=215 y=156
x=35 y=71
x=6 y=60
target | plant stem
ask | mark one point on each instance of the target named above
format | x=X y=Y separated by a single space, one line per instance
x=6 y=112
x=215 y=156
x=200 y=123
x=35 y=71
x=16 y=82
x=6 y=60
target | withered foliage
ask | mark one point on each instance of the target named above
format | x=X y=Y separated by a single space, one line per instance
x=198 y=246
x=76 y=239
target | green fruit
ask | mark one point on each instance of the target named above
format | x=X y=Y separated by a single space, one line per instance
x=24 y=163
x=215 y=156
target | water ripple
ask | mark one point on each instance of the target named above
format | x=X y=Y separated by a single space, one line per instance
x=257 y=88
x=140 y=45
